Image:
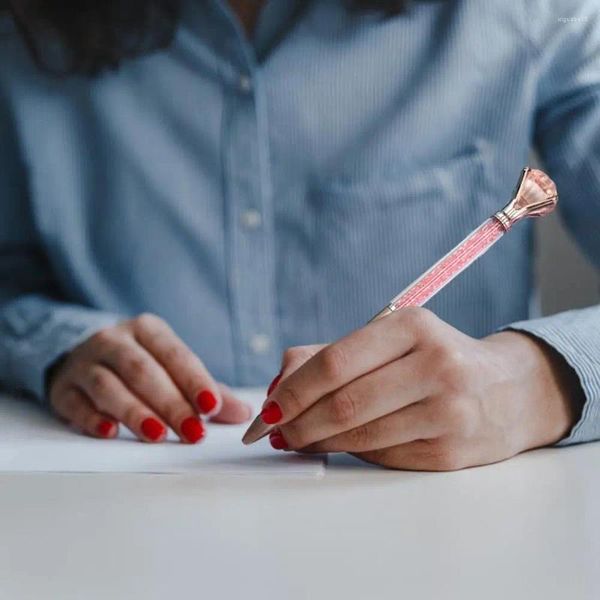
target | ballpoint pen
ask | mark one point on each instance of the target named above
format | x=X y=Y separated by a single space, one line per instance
x=535 y=195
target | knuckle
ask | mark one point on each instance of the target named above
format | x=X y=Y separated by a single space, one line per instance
x=296 y=354
x=174 y=354
x=98 y=381
x=135 y=367
x=289 y=400
x=450 y=366
x=147 y=322
x=360 y=437
x=454 y=360
x=104 y=337
x=333 y=362
x=290 y=354
x=342 y=407
x=421 y=319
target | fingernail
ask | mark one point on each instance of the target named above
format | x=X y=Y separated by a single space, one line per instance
x=105 y=429
x=193 y=430
x=278 y=441
x=206 y=402
x=274 y=384
x=153 y=429
x=271 y=413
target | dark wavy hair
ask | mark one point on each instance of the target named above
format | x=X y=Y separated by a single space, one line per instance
x=94 y=35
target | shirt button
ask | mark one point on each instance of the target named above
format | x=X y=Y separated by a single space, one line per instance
x=245 y=83
x=251 y=219
x=260 y=343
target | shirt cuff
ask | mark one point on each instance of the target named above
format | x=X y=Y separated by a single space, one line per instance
x=36 y=333
x=575 y=335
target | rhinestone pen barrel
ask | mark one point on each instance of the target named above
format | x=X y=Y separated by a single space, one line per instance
x=535 y=195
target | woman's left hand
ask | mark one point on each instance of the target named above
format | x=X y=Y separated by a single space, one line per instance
x=411 y=392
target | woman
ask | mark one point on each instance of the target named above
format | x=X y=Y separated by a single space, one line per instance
x=188 y=188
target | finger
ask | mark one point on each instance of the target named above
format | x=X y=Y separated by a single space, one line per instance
x=294 y=358
x=365 y=399
x=76 y=408
x=150 y=383
x=415 y=422
x=111 y=396
x=233 y=411
x=420 y=455
x=183 y=366
x=338 y=364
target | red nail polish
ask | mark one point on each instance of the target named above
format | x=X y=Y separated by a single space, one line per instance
x=192 y=429
x=105 y=429
x=271 y=413
x=274 y=384
x=153 y=429
x=206 y=402
x=278 y=441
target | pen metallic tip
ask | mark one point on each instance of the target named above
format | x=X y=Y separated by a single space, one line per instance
x=257 y=430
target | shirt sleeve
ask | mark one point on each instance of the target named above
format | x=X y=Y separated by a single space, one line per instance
x=37 y=326
x=567 y=135
x=576 y=336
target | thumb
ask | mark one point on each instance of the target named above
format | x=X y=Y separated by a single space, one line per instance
x=233 y=411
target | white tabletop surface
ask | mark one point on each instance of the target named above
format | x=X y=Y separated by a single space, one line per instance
x=528 y=528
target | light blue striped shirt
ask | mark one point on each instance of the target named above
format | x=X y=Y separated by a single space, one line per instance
x=268 y=194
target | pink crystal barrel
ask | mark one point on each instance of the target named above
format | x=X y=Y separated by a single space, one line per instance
x=449 y=267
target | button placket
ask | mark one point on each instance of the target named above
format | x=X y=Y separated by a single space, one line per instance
x=251 y=250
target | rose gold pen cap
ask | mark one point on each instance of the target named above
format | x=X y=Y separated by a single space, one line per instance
x=535 y=196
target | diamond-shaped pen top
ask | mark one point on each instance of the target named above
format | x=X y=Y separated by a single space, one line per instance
x=535 y=196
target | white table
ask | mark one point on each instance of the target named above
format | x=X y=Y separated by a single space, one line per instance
x=528 y=529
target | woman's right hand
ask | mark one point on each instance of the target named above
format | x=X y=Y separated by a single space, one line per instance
x=141 y=374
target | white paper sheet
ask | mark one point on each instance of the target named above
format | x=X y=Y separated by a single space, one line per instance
x=31 y=440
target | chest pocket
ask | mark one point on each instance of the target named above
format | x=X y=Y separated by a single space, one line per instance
x=374 y=237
